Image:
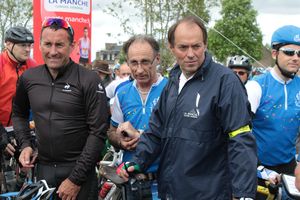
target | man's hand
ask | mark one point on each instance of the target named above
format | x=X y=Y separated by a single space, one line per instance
x=27 y=157
x=125 y=168
x=128 y=144
x=129 y=136
x=127 y=128
x=297 y=175
x=68 y=190
x=10 y=149
x=275 y=179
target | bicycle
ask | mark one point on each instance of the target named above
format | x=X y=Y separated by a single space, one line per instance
x=288 y=183
x=270 y=191
x=267 y=190
x=11 y=175
x=10 y=170
x=110 y=184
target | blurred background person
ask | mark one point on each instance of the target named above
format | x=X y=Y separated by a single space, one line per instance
x=13 y=62
x=116 y=71
x=241 y=66
x=84 y=44
x=124 y=76
x=102 y=68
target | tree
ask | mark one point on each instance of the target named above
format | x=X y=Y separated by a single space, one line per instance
x=238 y=24
x=12 y=13
x=156 y=16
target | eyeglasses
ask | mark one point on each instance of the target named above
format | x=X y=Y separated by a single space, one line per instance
x=58 y=23
x=240 y=73
x=290 y=52
x=142 y=63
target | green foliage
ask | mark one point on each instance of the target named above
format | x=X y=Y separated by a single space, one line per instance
x=238 y=24
x=122 y=57
x=156 y=16
x=12 y=13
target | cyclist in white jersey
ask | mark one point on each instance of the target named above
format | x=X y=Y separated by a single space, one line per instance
x=84 y=47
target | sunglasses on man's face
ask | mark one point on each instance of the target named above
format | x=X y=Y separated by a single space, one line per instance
x=290 y=52
x=240 y=73
x=58 y=23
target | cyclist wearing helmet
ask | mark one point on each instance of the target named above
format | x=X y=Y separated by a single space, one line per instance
x=275 y=101
x=13 y=62
x=241 y=66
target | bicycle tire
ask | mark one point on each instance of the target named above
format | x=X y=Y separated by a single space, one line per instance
x=117 y=194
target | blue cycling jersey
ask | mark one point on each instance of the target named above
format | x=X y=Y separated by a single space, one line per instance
x=276 y=121
x=130 y=107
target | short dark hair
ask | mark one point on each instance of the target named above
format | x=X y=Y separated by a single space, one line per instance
x=143 y=38
x=189 y=19
x=56 y=27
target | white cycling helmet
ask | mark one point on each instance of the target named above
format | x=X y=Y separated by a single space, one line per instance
x=240 y=62
x=36 y=191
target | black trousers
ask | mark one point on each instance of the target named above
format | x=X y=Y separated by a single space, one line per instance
x=56 y=174
x=139 y=190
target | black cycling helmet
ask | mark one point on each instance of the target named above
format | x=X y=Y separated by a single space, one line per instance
x=240 y=62
x=18 y=34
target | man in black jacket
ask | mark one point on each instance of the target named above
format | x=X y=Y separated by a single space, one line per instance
x=70 y=111
x=200 y=127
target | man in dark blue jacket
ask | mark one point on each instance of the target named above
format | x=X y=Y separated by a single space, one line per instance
x=200 y=126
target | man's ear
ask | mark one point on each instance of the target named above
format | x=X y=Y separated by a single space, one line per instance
x=171 y=47
x=158 y=58
x=73 y=45
x=8 y=44
x=274 y=53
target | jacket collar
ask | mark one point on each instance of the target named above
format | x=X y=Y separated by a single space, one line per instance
x=9 y=60
x=62 y=69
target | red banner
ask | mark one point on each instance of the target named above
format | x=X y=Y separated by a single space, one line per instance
x=77 y=12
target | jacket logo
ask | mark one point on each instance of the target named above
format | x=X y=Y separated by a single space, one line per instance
x=100 y=88
x=194 y=113
x=67 y=88
x=191 y=114
x=297 y=100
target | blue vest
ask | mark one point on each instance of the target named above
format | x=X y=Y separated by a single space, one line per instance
x=137 y=112
x=276 y=121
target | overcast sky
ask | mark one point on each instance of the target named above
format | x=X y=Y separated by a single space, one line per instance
x=272 y=14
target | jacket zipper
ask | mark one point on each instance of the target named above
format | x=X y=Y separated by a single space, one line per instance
x=12 y=102
x=50 y=116
x=144 y=103
x=285 y=97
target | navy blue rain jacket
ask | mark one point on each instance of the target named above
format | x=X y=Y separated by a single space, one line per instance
x=190 y=131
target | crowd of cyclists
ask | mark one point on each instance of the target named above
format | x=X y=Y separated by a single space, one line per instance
x=199 y=133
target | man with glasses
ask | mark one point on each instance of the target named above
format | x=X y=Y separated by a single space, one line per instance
x=133 y=105
x=275 y=102
x=200 y=126
x=70 y=111
x=13 y=62
x=241 y=66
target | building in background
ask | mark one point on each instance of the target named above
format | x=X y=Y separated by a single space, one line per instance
x=110 y=53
